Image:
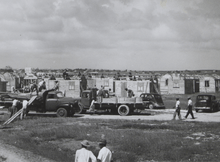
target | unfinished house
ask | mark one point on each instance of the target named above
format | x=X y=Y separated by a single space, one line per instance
x=71 y=88
x=207 y=84
x=172 y=83
x=137 y=87
x=11 y=80
x=98 y=82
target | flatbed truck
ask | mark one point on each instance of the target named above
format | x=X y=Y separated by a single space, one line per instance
x=120 y=105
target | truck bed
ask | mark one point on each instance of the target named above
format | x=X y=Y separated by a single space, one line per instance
x=115 y=102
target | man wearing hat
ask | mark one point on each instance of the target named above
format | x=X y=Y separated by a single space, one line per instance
x=189 y=108
x=177 y=111
x=105 y=155
x=56 y=86
x=83 y=154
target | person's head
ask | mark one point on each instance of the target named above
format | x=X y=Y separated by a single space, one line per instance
x=85 y=144
x=102 y=143
x=126 y=89
x=189 y=98
x=177 y=99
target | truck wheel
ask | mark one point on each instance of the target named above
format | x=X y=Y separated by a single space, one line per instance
x=79 y=109
x=61 y=112
x=123 y=110
x=151 y=106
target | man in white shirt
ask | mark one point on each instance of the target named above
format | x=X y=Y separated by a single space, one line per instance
x=177 y=109
x=189 y=108
x=105 y=155
x=24 y=106
x=83 y=154
x=14 y=107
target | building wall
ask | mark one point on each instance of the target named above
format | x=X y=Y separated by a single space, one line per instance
x=203 y=88
x=106 y=82
x=11 y=81
x=137 y=87
x=71 y=87
x=164 y=88
x=175 y=85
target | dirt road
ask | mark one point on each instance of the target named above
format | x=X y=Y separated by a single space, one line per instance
x=166 y=114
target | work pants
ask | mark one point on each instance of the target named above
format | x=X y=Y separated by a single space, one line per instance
x=13 y=110
x=177 y=111
x=189 y=111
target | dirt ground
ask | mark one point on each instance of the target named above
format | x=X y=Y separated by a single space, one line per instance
x=11 y=154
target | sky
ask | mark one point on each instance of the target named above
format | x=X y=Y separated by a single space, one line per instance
x=110 y=34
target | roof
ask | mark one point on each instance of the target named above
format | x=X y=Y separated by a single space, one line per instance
x=30 y=76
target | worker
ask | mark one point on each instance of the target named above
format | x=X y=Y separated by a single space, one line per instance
x=42 y=85
x=65 y=75
x=100 y=94
x=33 y=87
x=177 y=109
x=24 y=107
x=83 y=82
x=13 y=90
x=14 y=107
x=56 y=86
x=130 y=92
x=105 y=155
x=190 y=105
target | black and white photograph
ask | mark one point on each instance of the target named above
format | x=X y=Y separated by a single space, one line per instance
x=109 y=80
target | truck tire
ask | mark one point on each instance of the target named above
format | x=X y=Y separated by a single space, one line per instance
x=123 y=110
x=61 y=112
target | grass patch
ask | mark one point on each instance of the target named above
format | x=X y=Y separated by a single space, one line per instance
x=131 y=141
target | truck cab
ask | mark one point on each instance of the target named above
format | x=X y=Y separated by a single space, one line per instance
x=87 y=97
x=54 y=101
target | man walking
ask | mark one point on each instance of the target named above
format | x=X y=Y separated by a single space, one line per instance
x=177 y=111
x=189 y=108
x=105 y=155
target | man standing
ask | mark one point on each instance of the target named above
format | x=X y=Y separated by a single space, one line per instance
x=105 y=155
x=189 y=108
x=83 y=154
x=177 y=110
x=24 y=106
x=14 y=107
x=130 y=93
x=41 y=85
x=100 y=94
x=34 y=87
x=56 y=86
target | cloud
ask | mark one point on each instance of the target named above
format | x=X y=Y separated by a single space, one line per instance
x=109 y=33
